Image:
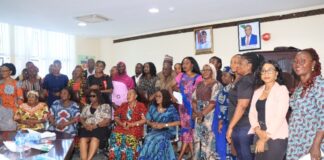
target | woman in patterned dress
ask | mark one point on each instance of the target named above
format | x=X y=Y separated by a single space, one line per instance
x=64 y=113
x=203 y=104
x=95 y=119
x=11 y=96
x=187 y=82
x=11 y=93
x=221 y=121
x=146 y=84
x=129 y=129
x=306 y=124
x=162 y=117
x=33 y=114
x=78 y=85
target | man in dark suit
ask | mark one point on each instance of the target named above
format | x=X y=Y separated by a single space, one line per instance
x=249 y=38
x=139 y=68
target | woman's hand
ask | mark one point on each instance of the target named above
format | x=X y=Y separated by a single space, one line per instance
x=260 y=145
x=315 y=152
x=262 y=134
x=88 y=127
x=229 y=135
x=220 y=126
x=159 y=125
x=94 y=87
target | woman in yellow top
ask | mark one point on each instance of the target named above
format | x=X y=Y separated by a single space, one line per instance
x=33 y=114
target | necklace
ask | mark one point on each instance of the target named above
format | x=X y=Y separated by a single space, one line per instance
x=160 y=109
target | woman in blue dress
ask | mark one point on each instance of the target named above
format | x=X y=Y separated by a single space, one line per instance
x=163 y=118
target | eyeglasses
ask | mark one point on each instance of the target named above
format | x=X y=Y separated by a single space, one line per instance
x=92 y=96
x=269 y=71
x=158 y=96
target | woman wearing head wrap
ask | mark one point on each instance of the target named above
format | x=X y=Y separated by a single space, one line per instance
x=33 y=114
x=203 y=103
x=10 y=92
x=220 y=122
x=122 y=76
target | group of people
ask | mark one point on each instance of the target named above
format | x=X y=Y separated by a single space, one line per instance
x=238 y=112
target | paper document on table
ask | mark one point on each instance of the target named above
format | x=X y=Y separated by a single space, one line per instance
x=11 y=145
x=46 y=134
x=178 y=97
x=43 y=147
x=3 y=157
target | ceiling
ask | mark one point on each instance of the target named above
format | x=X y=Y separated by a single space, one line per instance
x=131 y=17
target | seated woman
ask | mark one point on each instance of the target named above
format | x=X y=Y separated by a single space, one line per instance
x=95 y=119
x=162 y=117
x=33 y=114
x=129 y=128
x=64 y=113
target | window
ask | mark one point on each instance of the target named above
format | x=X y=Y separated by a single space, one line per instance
x=38 y=46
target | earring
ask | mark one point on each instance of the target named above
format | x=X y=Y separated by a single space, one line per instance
x=313 y=68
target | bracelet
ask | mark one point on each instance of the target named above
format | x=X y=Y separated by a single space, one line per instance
x=137 y=124
x=166 y=125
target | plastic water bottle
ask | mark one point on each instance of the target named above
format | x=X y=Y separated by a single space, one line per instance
x=20 y=143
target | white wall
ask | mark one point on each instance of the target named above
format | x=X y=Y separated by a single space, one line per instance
x=299 y=32
x=87 y=46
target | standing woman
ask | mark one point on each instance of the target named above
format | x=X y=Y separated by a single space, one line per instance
x=122 y=76
x=187 y=82
x=146 y=84
x=11 y=95
x=306 y=124
x=268 y=111
x=221 y=121
x=95 y=119
x=10 y=92
x=203 y=104
x=101 y=81
x=78 y=85
x=239 y=98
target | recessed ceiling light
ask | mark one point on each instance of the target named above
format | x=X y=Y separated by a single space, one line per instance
x=82 y=24
x=171 y=9
x=153 y=10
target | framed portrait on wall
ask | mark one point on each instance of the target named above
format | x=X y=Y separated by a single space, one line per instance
x=249 y=36
x=204 y=40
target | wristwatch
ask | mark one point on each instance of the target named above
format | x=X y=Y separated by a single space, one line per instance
x=166 y=125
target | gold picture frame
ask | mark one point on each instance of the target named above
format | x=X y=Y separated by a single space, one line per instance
x=204 y=42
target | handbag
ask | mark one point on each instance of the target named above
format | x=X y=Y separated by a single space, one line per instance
x=253 y=146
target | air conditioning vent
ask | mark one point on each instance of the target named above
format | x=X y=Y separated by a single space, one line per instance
x=92 y=18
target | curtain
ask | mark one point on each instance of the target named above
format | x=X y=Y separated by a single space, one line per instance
x=38 y=46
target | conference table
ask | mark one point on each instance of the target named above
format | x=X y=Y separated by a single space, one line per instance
x=62 y=149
